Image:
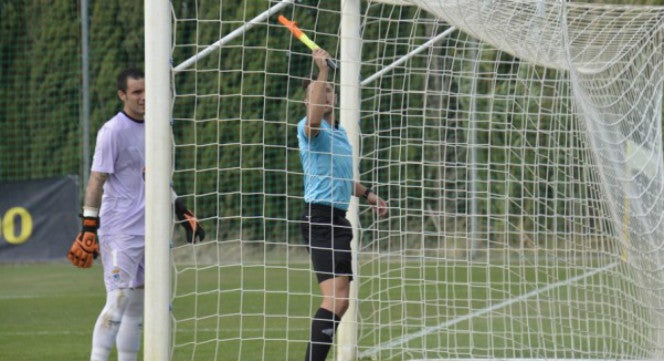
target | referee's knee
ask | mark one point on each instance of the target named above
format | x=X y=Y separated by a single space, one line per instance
x=342 y=307
x=337 y=305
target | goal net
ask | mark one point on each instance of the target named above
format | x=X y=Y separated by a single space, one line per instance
x=518 y=144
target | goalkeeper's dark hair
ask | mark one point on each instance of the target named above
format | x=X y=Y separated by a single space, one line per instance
x=134 y=73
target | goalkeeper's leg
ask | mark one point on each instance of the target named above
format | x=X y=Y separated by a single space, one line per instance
x=120 y=322
x=128 y=339
x=108 y=324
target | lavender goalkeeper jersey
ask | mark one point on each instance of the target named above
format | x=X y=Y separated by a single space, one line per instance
x=120 y=152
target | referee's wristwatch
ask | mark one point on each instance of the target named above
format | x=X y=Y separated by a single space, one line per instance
x=366 y=193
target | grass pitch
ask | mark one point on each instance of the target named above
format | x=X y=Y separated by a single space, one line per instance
x=259 y=312
x=48 y=310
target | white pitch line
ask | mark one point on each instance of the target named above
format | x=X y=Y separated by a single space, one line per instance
x=428 y=330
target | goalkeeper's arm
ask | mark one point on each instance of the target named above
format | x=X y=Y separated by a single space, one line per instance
x=85 y=247
x=187 y=219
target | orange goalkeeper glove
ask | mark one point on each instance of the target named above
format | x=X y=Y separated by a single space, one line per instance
x=189 y=222
x=85 y=248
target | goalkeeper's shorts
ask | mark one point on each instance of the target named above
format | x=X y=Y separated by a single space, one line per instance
x=123 y=258
x=328 y=234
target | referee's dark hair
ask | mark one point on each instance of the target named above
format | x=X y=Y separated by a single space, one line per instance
x=306 y=82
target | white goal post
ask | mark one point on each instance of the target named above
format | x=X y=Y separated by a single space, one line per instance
x=518 y=143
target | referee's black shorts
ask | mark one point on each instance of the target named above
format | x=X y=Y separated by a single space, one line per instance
x=328 y=234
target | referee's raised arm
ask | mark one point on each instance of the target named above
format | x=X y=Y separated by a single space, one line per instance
x=318 y=103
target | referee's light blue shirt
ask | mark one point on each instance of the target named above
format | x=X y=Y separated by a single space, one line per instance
x=327 y=162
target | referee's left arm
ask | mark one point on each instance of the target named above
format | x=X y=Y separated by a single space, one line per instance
x=380 y=206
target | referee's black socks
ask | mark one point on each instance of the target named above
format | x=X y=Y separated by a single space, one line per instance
x=323 y=327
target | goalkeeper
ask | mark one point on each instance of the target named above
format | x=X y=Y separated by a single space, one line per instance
x=114 y=211
x=327 y=161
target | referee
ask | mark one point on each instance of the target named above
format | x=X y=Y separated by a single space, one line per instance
x=327 y=161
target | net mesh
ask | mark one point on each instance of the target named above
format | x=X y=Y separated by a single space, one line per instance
x=519 y=150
